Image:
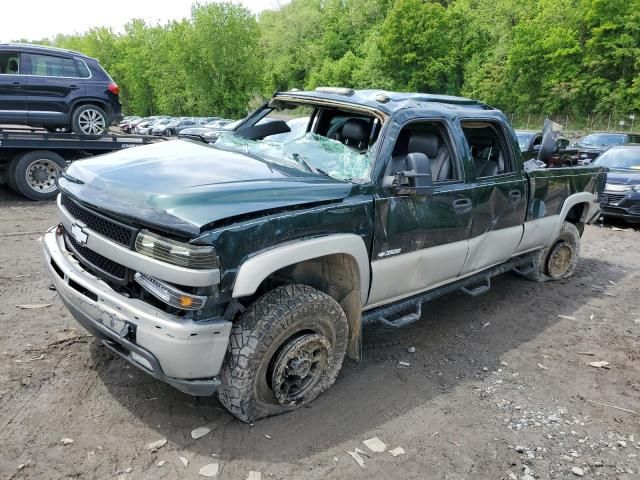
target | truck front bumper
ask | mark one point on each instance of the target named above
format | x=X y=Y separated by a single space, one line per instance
x=181 y=352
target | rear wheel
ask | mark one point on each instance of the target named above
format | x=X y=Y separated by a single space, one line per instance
x=89 y=120
x=11 y=175
x=560 y=259
x=287 y=349
x=168 y=132
x=34 y=174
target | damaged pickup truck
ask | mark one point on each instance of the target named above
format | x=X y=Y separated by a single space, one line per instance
x=248 y=267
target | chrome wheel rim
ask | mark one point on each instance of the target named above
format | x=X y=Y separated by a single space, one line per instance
x=91 y=122
x=559 y=260
x=41 y=176
x=299 y=368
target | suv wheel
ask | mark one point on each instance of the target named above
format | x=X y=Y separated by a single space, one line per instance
x=34 y=174
x=89 y=120
x=168 y=132
x=286 y=349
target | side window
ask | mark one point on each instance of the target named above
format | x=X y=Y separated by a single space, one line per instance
x=52 y=66
x=9 y=63
x=488 y=148
x=430 y=138
x=83 y=70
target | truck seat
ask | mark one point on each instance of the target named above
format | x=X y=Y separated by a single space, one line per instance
x=355 y=133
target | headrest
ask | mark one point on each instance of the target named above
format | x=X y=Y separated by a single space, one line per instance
x=427 y=143
x=355 y=132
x=12 y=66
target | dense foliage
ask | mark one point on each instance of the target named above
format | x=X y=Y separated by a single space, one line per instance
x=550 y=56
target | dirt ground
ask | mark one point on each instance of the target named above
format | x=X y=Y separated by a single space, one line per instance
x=499 y=386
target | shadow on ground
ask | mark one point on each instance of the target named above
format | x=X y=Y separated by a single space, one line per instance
x=453 y=343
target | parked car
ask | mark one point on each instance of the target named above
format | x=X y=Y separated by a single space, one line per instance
x=210 y=132
x=159 y=127
x=54 y=88
x=621 y=196
x=530 y=142
x=592 y=145
x=248 y=267
x=145 y=127
x=177 y=125
x=127 y=122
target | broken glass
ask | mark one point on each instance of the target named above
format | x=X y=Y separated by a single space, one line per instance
x=311 y=152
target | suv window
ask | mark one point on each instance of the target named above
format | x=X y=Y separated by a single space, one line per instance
x=488 y=148
x=430 y=138
x=53 y=66
x=9 y=63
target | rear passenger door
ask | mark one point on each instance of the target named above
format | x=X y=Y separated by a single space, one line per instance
x=420 y=242
x=54 y=82
x=499 y=195
x=13 y=97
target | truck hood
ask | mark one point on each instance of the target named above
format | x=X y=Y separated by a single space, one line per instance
x=182 y=186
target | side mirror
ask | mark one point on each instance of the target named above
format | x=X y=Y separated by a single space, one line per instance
x=536 y=148
x=417 y=179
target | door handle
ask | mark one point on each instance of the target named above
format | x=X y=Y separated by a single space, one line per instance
x=74 y=87
x=17 y=83
x=514 y=196
x=461 y=206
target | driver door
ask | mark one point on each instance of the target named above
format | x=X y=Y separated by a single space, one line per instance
x=420 y=242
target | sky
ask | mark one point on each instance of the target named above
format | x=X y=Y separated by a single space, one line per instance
x=37 y=19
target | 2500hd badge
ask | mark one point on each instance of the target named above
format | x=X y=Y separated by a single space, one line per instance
x=247 y=267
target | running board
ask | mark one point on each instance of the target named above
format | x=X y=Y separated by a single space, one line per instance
x=411 y=308
x=479 y=290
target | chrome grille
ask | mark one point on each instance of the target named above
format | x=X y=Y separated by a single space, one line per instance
x=116 y=231
x=613 y=198
x=95 y=262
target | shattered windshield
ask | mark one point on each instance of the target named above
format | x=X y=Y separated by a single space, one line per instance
x=309 y=152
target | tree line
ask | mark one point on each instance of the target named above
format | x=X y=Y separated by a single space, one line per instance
x=572 y=57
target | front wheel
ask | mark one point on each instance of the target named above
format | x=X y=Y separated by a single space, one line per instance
x=89 y=120
x=286 y=349
x=559 y=260
x=168 y=132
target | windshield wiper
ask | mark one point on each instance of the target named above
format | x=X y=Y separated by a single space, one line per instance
x=299 y=158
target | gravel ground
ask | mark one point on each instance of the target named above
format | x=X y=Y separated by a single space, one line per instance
x=498 y=387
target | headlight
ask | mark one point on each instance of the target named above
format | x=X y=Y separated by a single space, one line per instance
x=177 y=253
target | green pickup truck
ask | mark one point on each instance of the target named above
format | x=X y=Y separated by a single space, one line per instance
x=248 y=267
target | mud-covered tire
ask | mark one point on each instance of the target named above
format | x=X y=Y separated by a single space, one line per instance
x=559 y=260
x=273 y=325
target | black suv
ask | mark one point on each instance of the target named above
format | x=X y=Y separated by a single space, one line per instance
x=54 y=88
